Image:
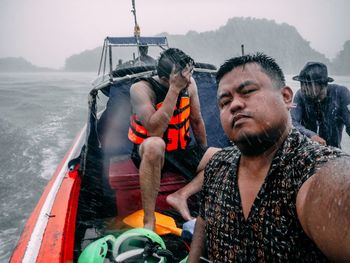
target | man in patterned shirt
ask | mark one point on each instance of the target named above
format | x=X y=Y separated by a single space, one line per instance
x=275 y=195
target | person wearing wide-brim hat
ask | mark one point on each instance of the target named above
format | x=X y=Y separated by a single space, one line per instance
x=321 y=109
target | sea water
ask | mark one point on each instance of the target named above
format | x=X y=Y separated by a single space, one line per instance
x=40 y=115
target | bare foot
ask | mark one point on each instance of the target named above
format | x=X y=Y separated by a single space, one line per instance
x=180 y=204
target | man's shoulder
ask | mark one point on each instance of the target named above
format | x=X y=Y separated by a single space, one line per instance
x=221 y=160
x=301 y=157
x=314 y=154
x=300 y=147
x=142 y=86
x=339 y=93
x=143 y=81
x=340 y=165
x=226 y=155
x=338 y=88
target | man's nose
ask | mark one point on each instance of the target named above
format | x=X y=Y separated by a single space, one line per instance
x=237 y=104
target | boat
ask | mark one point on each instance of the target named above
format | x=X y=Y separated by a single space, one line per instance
x=95 y=187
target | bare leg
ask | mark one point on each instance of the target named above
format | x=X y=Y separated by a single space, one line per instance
x=152 y=160
x=178 y=200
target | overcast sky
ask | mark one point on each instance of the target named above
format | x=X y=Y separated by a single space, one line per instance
x=46 y=32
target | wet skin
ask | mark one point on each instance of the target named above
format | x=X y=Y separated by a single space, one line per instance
x=253 y=111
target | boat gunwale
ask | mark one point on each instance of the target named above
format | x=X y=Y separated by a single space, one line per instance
x=104 y=81
x=31 y=240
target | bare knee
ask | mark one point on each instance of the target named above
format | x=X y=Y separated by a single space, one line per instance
x=152 y=149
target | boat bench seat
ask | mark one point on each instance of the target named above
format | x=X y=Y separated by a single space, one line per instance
x=124 y=179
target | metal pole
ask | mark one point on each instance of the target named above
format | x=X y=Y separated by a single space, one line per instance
x=136 y=27
x=105 y=61
x=99 y=68
x=110 y=63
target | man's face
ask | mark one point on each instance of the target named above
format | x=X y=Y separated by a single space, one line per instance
x=311 y=90
x=251 y=108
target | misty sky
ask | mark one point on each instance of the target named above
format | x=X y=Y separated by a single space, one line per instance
x=46 y=32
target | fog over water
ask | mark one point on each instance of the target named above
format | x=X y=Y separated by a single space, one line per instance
x=47 y=32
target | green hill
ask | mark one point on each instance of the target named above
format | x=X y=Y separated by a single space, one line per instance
x=281 y=41
x=12 y=64
x=85 y=61
x=341 y=63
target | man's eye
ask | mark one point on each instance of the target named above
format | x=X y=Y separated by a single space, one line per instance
x=247 y=91
x=223 y=103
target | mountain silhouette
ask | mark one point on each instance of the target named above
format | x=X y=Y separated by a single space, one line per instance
x=280 y=41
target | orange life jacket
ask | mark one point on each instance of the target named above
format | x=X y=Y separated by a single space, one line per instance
x=177 y=135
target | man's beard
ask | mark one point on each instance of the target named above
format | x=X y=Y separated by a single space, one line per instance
x=256 y=144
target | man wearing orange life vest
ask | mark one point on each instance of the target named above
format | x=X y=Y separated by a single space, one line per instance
x=164 y=108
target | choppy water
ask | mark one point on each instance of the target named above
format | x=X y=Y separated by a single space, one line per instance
x=40 y=114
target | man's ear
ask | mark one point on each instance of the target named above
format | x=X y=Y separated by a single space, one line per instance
x=287 y=95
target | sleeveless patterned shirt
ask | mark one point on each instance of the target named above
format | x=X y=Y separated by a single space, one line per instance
x=272 y=232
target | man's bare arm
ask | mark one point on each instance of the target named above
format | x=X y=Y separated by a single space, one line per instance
x=142 y=101
x=196 y=119
x=323 y=206
x=198 y=241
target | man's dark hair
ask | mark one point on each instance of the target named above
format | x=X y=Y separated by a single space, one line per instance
x=171 y=57
x=267 y=64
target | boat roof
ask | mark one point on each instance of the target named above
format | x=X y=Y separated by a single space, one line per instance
x=137 y=41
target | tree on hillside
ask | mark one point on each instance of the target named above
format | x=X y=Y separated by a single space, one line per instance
x=341 y=63
x=281 y=41
x=85 y=61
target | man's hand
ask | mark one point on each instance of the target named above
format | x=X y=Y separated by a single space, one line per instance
x=318 y=139
x=181 y=79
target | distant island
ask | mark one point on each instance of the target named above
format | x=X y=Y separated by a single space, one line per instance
x=281 y=41
x=12 y=64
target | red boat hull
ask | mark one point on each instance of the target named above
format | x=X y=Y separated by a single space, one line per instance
x=55 y=243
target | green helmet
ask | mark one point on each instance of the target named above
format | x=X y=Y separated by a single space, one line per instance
x=140 y=245
x=135 y=245
x=96 y=251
